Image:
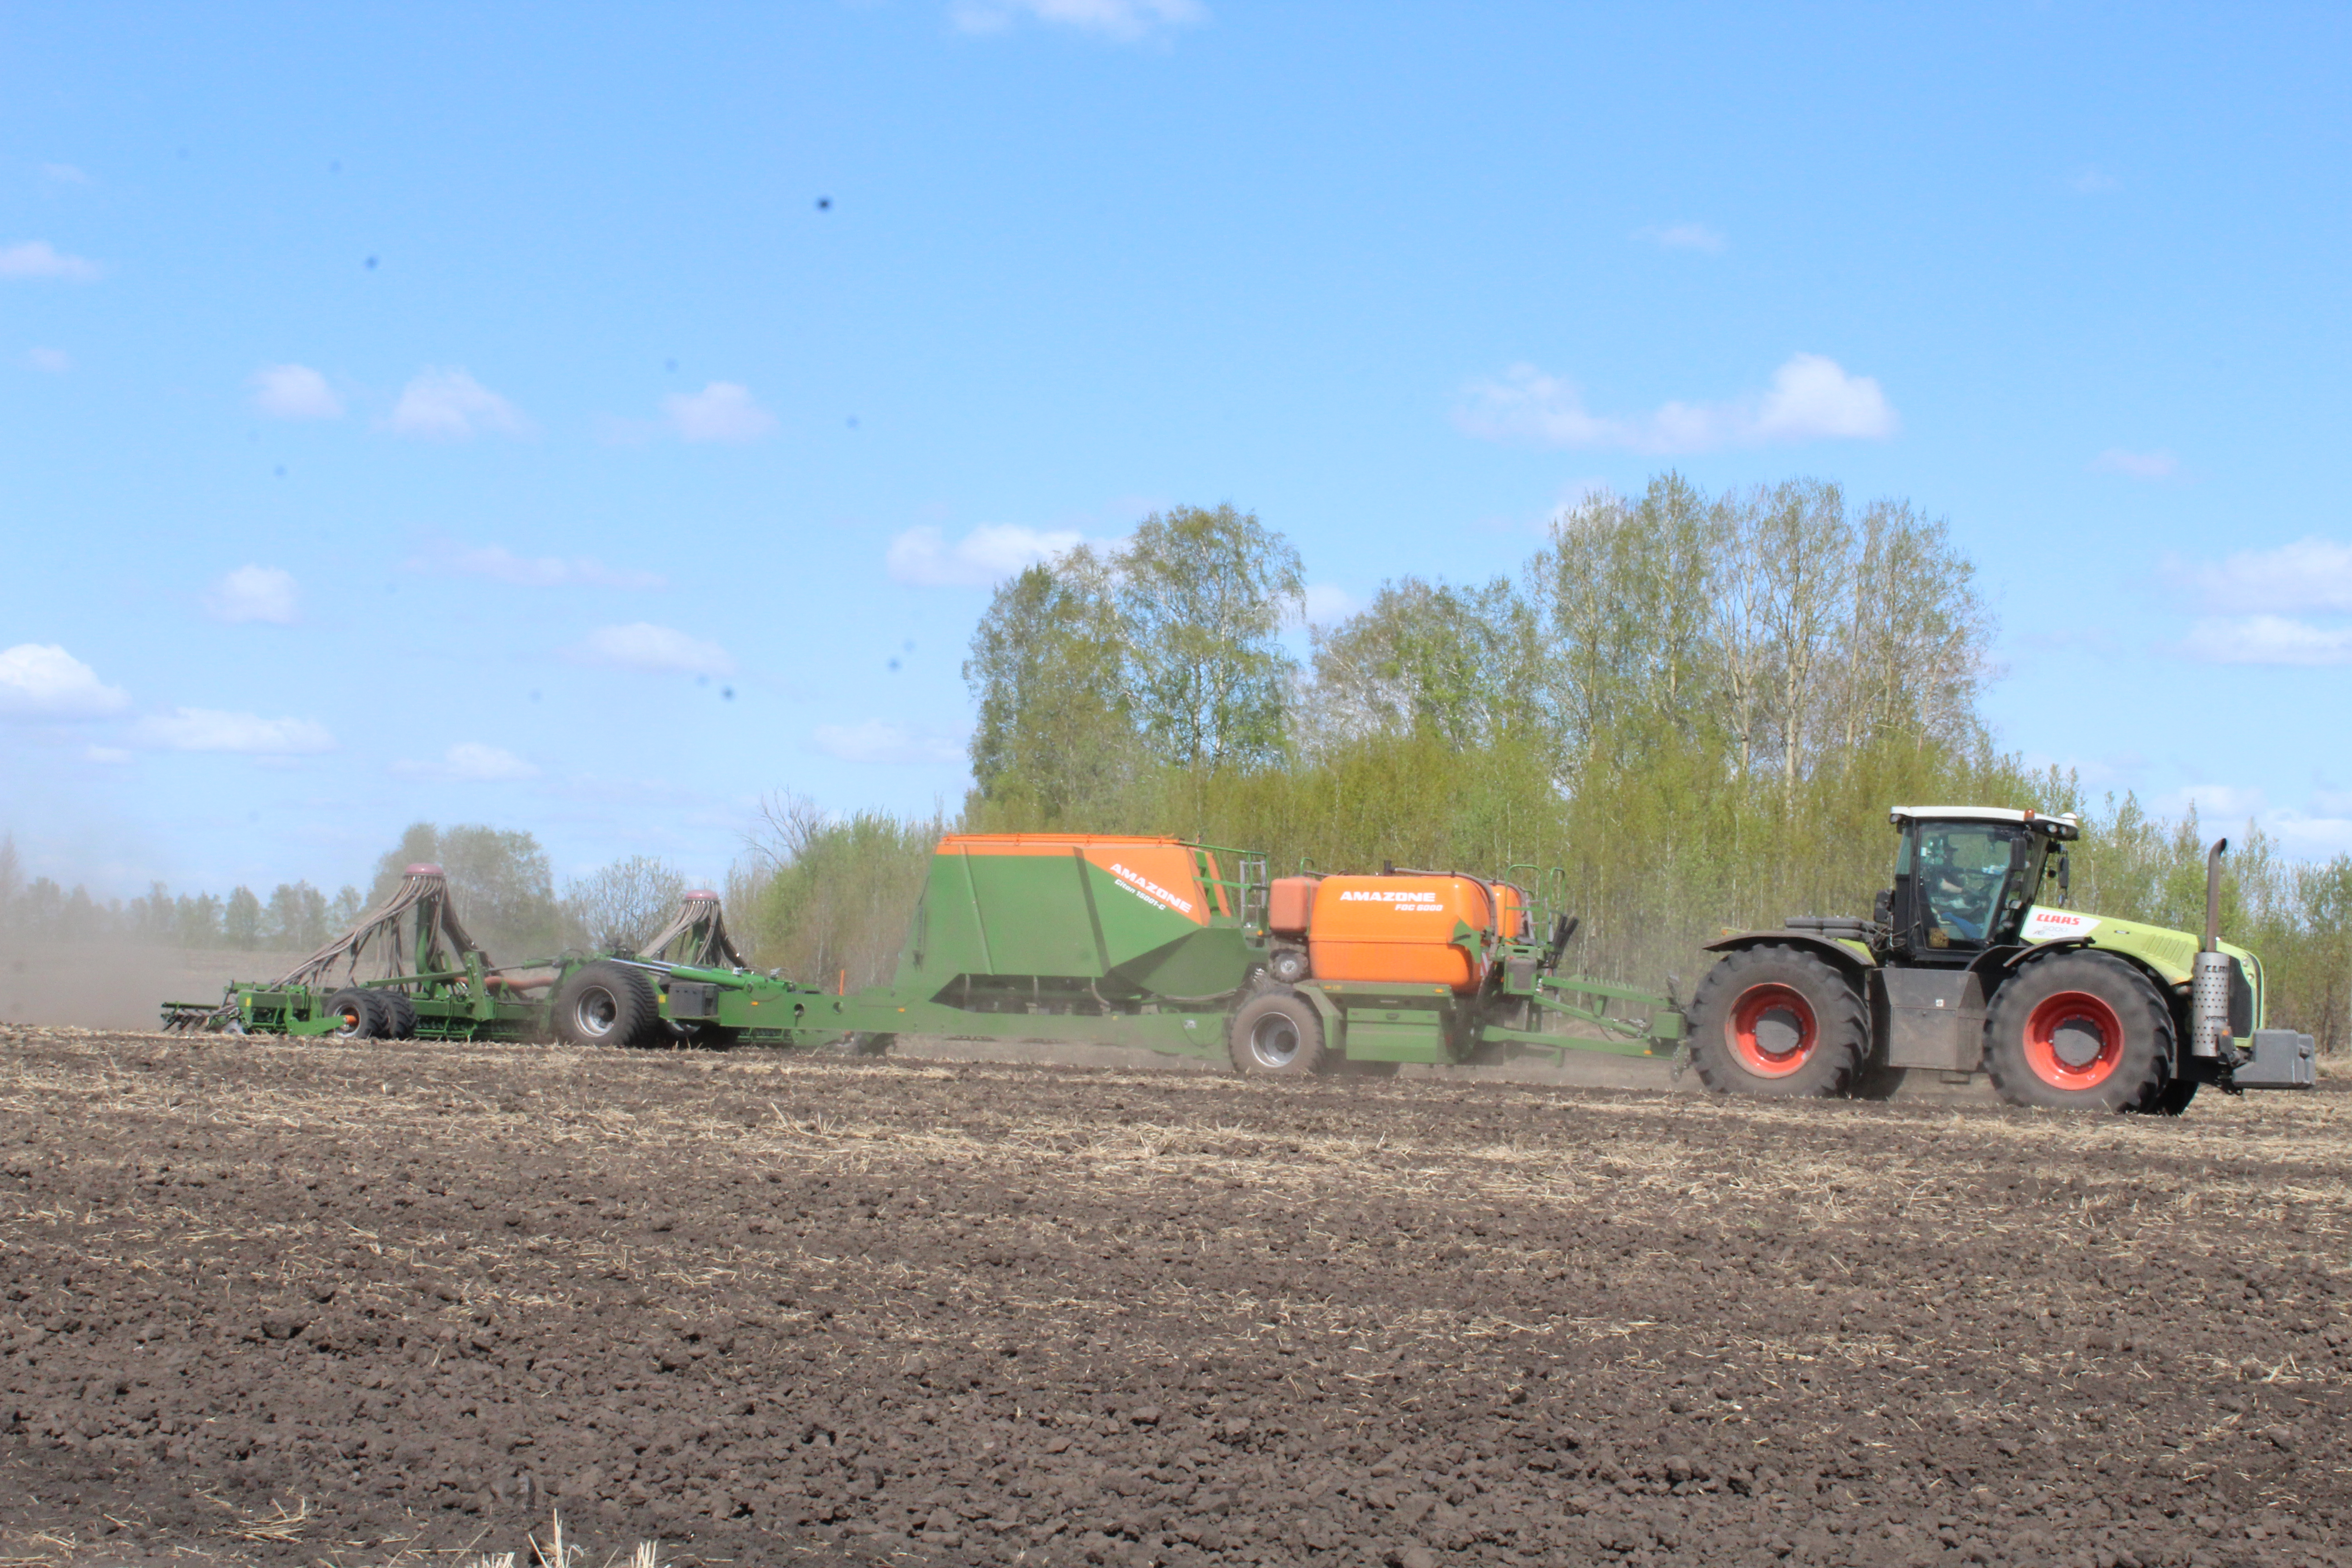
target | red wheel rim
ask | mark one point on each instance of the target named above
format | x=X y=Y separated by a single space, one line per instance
x=1773 y=1030
x=2073 y=1040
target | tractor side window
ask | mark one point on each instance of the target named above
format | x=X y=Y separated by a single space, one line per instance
x=1962 y=870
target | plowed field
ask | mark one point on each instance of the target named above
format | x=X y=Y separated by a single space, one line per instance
x=365 y=1304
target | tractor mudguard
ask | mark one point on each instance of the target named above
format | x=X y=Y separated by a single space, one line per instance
x=1854 y=954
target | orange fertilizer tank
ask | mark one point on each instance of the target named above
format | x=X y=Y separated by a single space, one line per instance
x=1399 y=930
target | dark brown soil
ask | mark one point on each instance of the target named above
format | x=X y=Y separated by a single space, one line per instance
x=353 y=1305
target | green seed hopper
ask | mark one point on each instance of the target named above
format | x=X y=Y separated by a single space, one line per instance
x=1174 y=947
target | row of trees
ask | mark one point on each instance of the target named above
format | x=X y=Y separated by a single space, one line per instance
x=500 y=879
x=294 y=916
x=1696 y=708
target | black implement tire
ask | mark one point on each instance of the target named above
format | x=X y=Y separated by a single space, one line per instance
x=2080 y=1031
x=2171 y=1100
x=1289 y=966
x=1276 y=1033
x=1351 y=1069
x=399 y=1015
x=361 y=1010
x=1779 y=1023
x=606 y=1004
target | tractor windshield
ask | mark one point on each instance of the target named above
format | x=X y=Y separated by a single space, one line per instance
x=1965 y=870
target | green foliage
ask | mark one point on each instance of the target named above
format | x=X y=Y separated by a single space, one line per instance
x=296 y=919
x=1055 y=740
x=1097 y=671
x=504 y=890
x=241 y=921
x=622 y=906
x=827 y=900
x=1201 y=598
x=1696 y=709
x=1425 y=659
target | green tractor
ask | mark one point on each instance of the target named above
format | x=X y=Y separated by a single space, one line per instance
x=1969 y=965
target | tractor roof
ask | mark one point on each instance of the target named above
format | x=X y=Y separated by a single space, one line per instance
x=2065 y=826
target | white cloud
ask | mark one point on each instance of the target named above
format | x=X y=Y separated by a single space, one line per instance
x=2213 y=803
x=1810 y=398
x=880 y=741
x=501 y=564
x=42 y=680
x=471 y=762
x=656 y=650
x=57 y=362
x=211 y=729
x=2312 y=834
x=989 y=553
x=1124 y=20
x=451 y=405
x=722 y=411
x=110 y=755
x=295 y=392
x=2308 y=575
x=2156 y=465
x=254 y=594
x=1813 y=398
x=40 y=259
x=2268 y=640
x=1327 y=603
x=1682 y=237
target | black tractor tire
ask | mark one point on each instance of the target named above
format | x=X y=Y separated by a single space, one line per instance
x=399 y=1015
x=1276 y=1034
x=1777 y=1022
x=1289 y=966
x=1878 y=1081
x=608 y=1005
x=2171 y=1100
x=2080 y=1031
x=361 y=1011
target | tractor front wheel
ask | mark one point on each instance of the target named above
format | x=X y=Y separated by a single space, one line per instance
x=1779 y=1022
x=2080 y=1031
x=1277 y=1033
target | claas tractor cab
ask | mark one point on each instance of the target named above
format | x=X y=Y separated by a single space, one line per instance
x=1972 y=962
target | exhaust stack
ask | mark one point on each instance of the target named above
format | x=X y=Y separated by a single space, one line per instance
x=2209 y=1004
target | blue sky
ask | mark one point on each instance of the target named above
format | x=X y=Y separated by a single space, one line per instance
x=588 y=419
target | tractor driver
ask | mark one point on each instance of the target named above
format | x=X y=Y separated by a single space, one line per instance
x=1962 y=871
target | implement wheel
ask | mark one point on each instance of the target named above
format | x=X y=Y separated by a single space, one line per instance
x=1779 y=1023
x=606 y=1004
x=1276 y=1034
x=2081 y=1031
x=399 y=1016
x=358 y=1013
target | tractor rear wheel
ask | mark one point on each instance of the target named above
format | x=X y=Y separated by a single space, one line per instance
x=606 y=1004
x=1277 y=1033
x=358 y=1013
x=2080 y=1031
x=1779 y=1022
